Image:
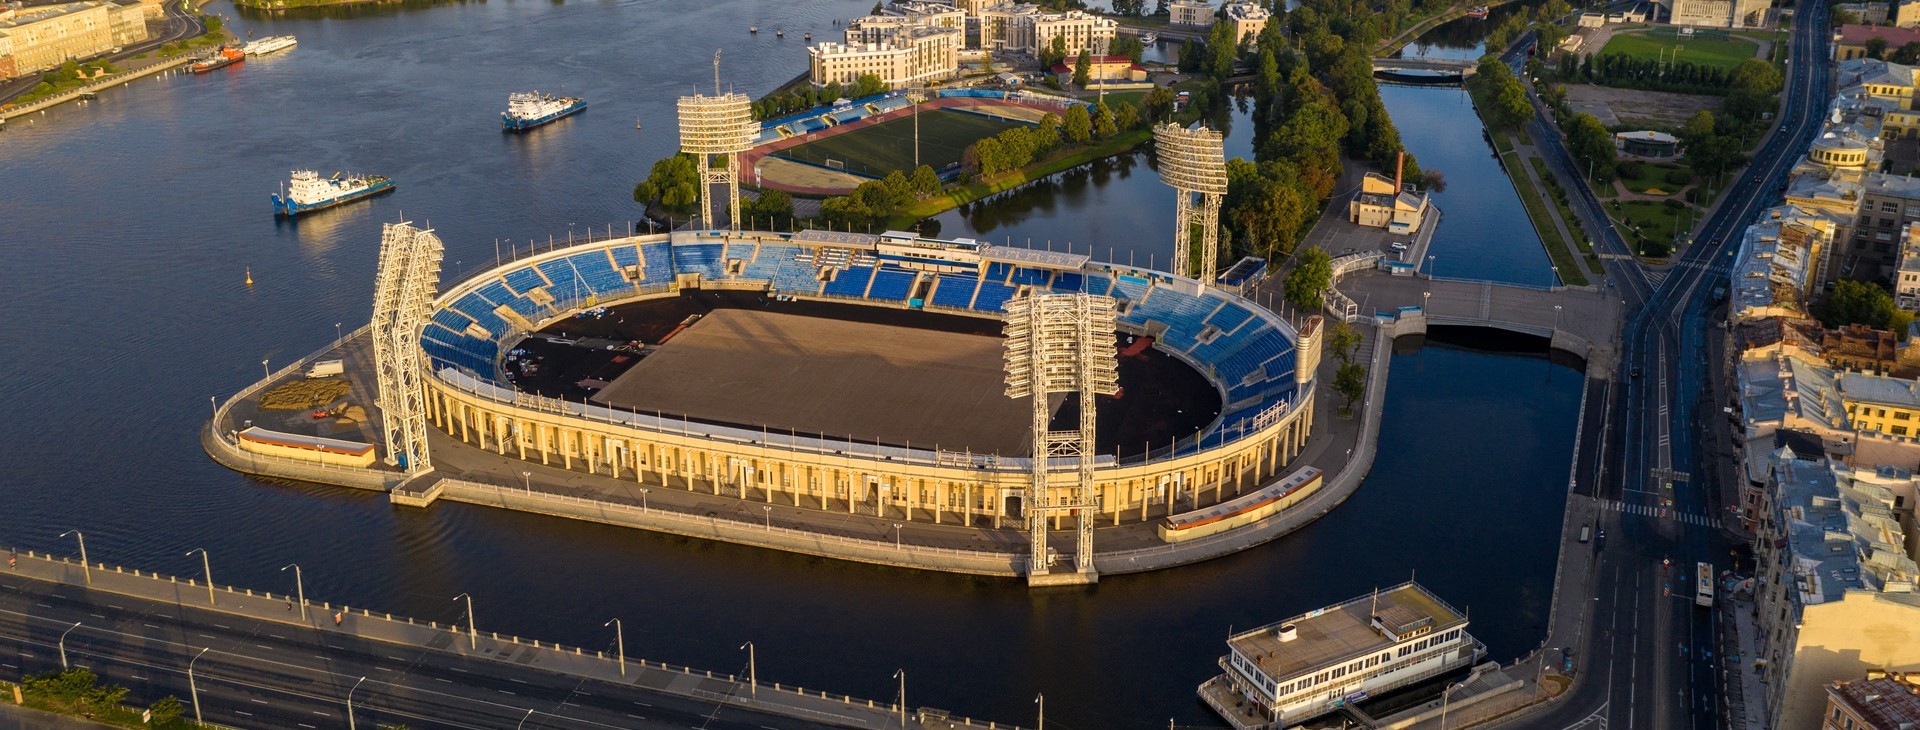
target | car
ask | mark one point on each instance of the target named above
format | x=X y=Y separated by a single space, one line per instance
x=1398 y=246
x=1635 y=372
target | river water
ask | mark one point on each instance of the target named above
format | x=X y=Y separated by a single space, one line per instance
x=133 y=222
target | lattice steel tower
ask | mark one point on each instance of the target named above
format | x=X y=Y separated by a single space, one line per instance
x=1061 y=343
x=403 y=292
x=721 y=125
x=1193 y=161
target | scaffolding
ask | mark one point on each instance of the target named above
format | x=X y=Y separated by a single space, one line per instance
x=1193 y=161
x=1061 y=343
x=409 y=273
x=717 y=126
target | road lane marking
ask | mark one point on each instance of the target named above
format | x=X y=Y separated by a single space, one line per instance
x=277 y=636
x=264 y=646
x=395 y=658
x=205 y=636
x=98 y=616
x=256 y=699
x=243 y=712
x=522 y=681
x=150 y=626
x=322 y=713
x=444 y=679
x=223 y=626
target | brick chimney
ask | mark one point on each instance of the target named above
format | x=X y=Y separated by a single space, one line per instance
x=1399 y=164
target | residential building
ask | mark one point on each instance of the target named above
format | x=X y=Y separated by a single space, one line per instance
x=1719 y=13
x=911 y=55
x=7 y=69
x=1882 y=701
x=1879 y=403
x=1868 y=13
x=1190 y=13
x=1778 y=263
x=1103 y=70
x=1850 y=41
x=46 y=36
x=1383 y=203
x=1248 y=20
x=1834 y=582
x=1862 y=349
x=1030 y=29
x=1906 y=279
x=1282 y=673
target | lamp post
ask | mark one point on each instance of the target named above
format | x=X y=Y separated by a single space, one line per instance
x=63 y=643
x=473 y=636
x=1556 y=318
x=206 y=567
x=769 y=510
x=299 y=588
x=1446 y=695
x=643 y=499
x=901 y=675
x=523 y=721
x=753 y=671
x=193 y=690
x=85 y=567
x=619 y=644
x=526 y=481
x=263 y=369
x=1430 y=272
x=896 y=536
x=1042 y=702
x=356 y=685
x=337 y=337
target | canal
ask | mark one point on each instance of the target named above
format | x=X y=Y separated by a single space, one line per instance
x=135 y=221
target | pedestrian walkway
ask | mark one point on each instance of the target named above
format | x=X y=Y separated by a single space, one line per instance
x=13 y=717
x=1660 y=513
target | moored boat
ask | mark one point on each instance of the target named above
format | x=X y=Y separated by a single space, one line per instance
x=222 y=58
x=270 y=44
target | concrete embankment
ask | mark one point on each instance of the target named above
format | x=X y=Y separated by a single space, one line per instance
x=87 y=92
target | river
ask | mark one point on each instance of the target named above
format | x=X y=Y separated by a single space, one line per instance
x=134 y=221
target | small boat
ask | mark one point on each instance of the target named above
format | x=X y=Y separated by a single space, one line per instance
x=779 y=32
x=753 y=29
x=270 y=44
x=636 y=124
x=226 y=56
x=808 y=37
x=1150 y=38
x=532 y=109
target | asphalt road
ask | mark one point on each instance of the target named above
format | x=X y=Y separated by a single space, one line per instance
x=255 y=674
x=1646 y=657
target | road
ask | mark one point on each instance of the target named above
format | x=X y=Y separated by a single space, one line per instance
x=257 y=674
x=1644 y=653
x=180 y=24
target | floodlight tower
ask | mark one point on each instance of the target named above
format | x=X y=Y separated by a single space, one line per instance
x=408 y=274
x=1061 y=343
x=1193 y=161
x=721 y=125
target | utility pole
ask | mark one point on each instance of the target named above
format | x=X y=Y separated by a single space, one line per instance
x=902 y=676
x=473 y=637
x=85 y=567
x=206 y=568
x=193 y=690
x=619 y=645
x=299 y=588
x=753 y=671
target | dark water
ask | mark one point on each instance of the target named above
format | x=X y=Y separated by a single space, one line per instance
x=131 y=224
x=1462 y=39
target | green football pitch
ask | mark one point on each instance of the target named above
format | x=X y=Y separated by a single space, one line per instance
x=882 y=148
x=1723 y=52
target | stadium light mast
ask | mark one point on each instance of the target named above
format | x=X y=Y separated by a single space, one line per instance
x=1061 y=343
x=404 y=285
x=719 y=125
x=1193 y=161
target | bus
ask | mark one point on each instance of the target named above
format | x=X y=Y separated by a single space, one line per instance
x=1703 y=585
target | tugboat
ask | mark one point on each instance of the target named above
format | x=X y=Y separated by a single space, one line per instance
x=270 y=44
x=226 y=56
x=532 y=109
x=310 y=193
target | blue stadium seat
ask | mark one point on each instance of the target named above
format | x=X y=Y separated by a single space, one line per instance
x=524 y=280
x=1229 y=317
x=1069 y=281
x=955 y=291
x=993 y=296
x=850 y=282
x=482 y=313
x=596 y=271
x=998 y=272
x=624 y=256
x=1031 y=277
x=567 y=289
x=891 y=284
x=498 y=294
x=658 y=260
x=700 y=258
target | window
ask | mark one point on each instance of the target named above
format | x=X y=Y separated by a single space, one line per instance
x=1899 y=430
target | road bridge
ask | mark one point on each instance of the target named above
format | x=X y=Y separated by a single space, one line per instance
x=1443 y=66
x=1582 y=320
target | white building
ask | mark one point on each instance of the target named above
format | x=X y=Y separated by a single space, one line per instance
x=1030 y=29
x=1282 y=673
x=1248 y=20
x=1190 y=13
x=909 y=55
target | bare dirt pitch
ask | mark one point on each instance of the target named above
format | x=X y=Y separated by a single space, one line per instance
x=1634 y=107
x=828 y=376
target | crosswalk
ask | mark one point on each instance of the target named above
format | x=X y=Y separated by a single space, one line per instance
x=1660 y=513
x=1656 y=277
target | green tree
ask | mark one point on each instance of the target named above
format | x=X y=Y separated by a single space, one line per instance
x=1103 y=123
x=1129 y=46
x=1860 y=302
x=1350 y=381
x=1083 y=69
x=1126 y=117
x=1158 y=103
x=1592 y=146
x=1876 y=47
x=1222 y=49
x=774 y=206
x=1312 y=273
x=925 y=181
x=1756 y=76
x=1077 y=125
x=1055 y=53
x=165 y=710
x=674 y=183
x=868 y=85
x=1342 y=340
x=1699 y=128
x=1907 y=54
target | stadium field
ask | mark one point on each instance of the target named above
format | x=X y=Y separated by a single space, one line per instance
x=882 y=148
x=1723 y=53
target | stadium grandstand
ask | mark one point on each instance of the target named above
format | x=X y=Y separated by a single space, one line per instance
x=1259 y=363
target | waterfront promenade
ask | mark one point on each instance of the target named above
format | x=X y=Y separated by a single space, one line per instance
x=121 y=612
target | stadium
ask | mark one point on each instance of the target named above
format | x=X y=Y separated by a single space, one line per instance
x=858 y=374
x=831 y=152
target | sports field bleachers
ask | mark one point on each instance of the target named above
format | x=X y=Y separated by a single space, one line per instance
x=625 y=256
x=993 y=296
x=524 y=280
x=596 y=271
x=766 y=262
x=796 y=274
x=891 y=284
x=658 y=260
x=851 y=282
x=955 y=291
x=700 y=258
x=1031 y=277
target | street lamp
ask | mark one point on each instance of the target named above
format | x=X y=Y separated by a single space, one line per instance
x=753 y=671
x=356 y=685
x=1430 y=267
x=299 y=588
x=85 y=567
x=896 y=536
x=901 y=674
x=1445 y=696
x=337 y=337
x=769 y=510
x=1556 y=318
x=619 y=644
x=1042 y=702
x=205 y=567
x=526 y=480
x=63 y=643
x=193 y=690
x=643 y=499
x=263 y=369
x=523 y=721
x=473 y=637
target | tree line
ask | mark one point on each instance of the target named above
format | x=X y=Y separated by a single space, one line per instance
x=808 y=96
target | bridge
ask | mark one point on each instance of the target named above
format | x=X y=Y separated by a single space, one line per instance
x=1582 y=320
x=1426 y=67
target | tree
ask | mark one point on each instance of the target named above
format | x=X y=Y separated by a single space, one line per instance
x=1311 y=274
x=165 y=710
x=1342 y=340
x=1876 y=47
x=925 y=181
x=1103 y=123
x=1907 y=54
x=674 y=183
x=868 y=85
x=1083 y=69
x=1129 y=46
x=1756 y=76
x=1077 y=125
x=1860 y=302
x=1699 y=128
x=1055 y=53
x=775 y=206
x=1350 y=381
x=1592 y=146
x=878 y=6
x=1158 y=103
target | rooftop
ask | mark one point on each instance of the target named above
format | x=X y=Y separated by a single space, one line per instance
x=1033 y=257
x=1340 y=632
x=1878 y=389
x=1840 y=529
x=1857 y=35
x=1885 y=702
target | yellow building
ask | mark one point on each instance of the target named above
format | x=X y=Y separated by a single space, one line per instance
x=45 y=37
x=1248 y=20
x=1879 y=403
x=1381 y=203
x=1906 y=14
x=1190 y=13
x=912 y=55
x=306 y=448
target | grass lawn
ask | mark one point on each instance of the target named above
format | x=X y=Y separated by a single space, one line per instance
x=958 y=195
x=1655 y=221
x=1725 y=54
x=1653 y=179
x=882 y=148
x=1536 y=203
